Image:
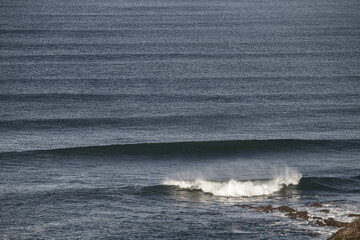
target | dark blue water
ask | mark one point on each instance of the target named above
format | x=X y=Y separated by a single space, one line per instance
x=159 y=118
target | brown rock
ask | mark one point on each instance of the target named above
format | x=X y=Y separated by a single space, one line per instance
x=331 y=222
x=291 y=215
x=325 y=210
x=314 y=234
x=285 y=209
x=259 y=209
x=317 y=218
x=298 y=215
x=350 y=232
x=316 y=205
x=268 y=209
x=354 y=215
x=303 y=215
x=320 y=223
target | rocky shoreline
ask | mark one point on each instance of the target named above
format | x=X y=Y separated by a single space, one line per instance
x=348 y=231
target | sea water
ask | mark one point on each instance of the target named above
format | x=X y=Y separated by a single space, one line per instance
x=161 y=118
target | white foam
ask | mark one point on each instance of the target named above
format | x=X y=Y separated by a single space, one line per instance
x=236 y=188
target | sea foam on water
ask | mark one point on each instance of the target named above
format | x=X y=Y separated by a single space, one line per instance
x=237 y=188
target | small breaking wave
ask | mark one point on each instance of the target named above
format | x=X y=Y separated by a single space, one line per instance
x=237 y=188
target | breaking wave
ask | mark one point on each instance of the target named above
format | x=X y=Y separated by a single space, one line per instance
x=237 y=188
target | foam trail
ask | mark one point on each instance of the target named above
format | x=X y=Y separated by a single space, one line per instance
x=235 y=188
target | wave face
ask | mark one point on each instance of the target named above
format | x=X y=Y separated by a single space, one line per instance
x=236 y=188
x=344 y=184
x=211 y=148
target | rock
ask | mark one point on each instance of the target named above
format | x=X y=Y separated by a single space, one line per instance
x=285 y=209
x=325 y=210
x=298 y=215
x=317 y=218
x=268 y=209
x=303 y=215
x=354 y=215
x=291 y=215
x=331 y=222
x=259 y=209
x=316 y=205
x=314 y=234
x=320 y=223
x=350 y=232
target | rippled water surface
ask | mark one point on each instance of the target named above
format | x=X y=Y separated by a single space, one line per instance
x=160 y=118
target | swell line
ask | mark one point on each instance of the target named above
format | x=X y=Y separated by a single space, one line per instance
x=339 y=184
x=208 y=148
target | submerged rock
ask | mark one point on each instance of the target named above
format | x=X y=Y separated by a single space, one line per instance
x=350 y=231
x=303 y=215
x=317 y=205
x=331 y=222
x=268 y=209
x=259 y=209
x=285 y=209
x=314 y=234
x=320 y=223
x=298 y=215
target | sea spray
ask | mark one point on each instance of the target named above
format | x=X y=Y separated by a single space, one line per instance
x=236 y=188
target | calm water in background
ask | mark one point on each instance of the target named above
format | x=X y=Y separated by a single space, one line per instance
x=202 y=91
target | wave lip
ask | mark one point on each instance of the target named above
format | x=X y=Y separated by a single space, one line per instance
x=236 y=188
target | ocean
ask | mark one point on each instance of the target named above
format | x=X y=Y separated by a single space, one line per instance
x=149 y=119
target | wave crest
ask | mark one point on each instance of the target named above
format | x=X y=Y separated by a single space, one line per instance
x=236 y=188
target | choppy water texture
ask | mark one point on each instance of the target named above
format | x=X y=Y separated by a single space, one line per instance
x=159 y=118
